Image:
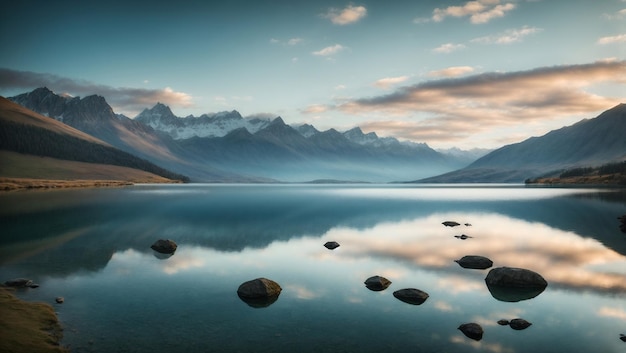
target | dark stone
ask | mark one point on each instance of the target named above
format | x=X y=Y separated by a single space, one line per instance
x=259 y=288
x=332 y=245
x=622 y=225
x=472 y=330
x=164 y=246
x=20 y=283
x=462 y=236
x=259 y=293
x=450 y=224
x=503 y=322
x=59 y=300
x=512 y=284
x=377 y=283
x=468 y=225
x=474 y=262
x=519 y=324
x=411 y=296
x=622 y=337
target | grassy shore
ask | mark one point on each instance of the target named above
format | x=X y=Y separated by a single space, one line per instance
x=28 y=327
x=604 y=180
x=13 y=184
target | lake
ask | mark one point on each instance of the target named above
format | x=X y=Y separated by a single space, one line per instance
x=92 y=247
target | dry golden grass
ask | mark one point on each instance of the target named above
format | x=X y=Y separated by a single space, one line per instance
x=21 y=171
x=28 y=327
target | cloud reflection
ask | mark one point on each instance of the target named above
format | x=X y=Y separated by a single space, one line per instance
x=565 y=259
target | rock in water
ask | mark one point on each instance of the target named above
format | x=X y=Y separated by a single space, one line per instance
x=451 y=224
x=474 y=262
x=377 y=283
x=164 y=246
x=411 y=296
x=332 y=245
x=20 y=283
x=503 y=322
x=519 y=324
x=259 y=293
x=512 y=284
x=472 y=330
x=59 y=300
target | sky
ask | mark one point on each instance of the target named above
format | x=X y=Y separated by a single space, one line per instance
x=466 y=74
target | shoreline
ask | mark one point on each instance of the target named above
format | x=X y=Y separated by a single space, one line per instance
x=28 y=326
x=22 y=184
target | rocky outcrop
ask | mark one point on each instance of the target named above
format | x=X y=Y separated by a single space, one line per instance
x=20 y=283
x=411 y=296
x=164 y=246
x=474 y=262
x=377 y=283
x=512 y=284
x=472 y=330
x=259 y=293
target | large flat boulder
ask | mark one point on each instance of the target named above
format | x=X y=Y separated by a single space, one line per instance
x=259 y=292
x=411 y=296
x=511 y=284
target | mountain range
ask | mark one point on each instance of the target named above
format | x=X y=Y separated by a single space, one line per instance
x=226 y=147
x=588 y=143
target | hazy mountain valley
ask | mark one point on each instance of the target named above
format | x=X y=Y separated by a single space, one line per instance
x=226 y=147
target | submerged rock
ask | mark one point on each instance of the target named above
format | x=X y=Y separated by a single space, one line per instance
x=451 y=224
x=411 y=296
x=59 y=300
x=474 y=262
x=472 y=330
x=259 y=293
x=331 y=245
x=519 y=324
x=377 y=283
x=512 y=284
x=21 y=283
x=164 y=246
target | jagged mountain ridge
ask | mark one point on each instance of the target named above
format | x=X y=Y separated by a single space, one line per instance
x=269 y=151
x=587 y=143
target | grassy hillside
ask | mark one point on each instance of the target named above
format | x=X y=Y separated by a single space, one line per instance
x=26 y=132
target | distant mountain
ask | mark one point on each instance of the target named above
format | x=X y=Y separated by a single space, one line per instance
x=94 y=116
x=588 y=143
x=28 y=133
x=225 y=147
x=161 y=118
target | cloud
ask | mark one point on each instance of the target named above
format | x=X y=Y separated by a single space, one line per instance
x=123 y=99
x=452 y=71
x=386 y=83
x=328 y=51
x=350 y=14
x=620 y=38
x=448 y=48
x=455 y=108
x=479 y=12
x=315 y=109
x=290 y=41
x=510 y=36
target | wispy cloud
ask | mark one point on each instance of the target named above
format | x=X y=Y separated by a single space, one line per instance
x=448 y=48
x=328 y=51
x=126 y=100
x=481 y=11
x=387 y=82
x=453 y=71
x=453 y=108
x=348 y=15
x=509 y=36
x=290 y=41
x=315 y=109
x=620 y=38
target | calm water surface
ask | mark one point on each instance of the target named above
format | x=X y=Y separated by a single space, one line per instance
x=93 y=248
